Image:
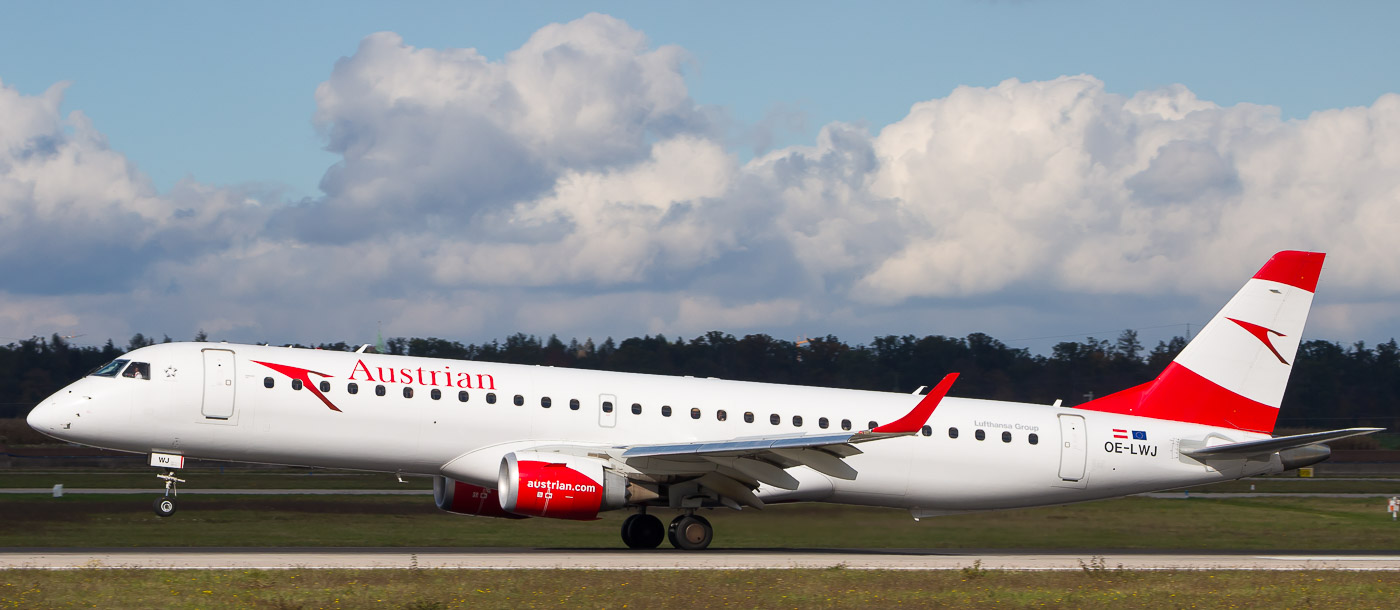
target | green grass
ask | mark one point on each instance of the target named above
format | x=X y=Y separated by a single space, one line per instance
x=302 y=478
x=398 y=521
x=1293 y=484
x=424 y=589
x=213 y=478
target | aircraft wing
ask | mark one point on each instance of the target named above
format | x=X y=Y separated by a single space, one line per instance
x=735 y=467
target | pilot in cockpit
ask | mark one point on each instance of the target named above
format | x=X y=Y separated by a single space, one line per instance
x=138 y=370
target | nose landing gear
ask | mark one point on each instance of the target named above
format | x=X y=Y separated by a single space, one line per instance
x=165 y=505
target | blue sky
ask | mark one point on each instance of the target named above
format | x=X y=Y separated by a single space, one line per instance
x=223 y=92
x=1036 y=170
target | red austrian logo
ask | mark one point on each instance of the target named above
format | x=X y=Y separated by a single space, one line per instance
x=443 y=377
x=304 y=376
x=1262 y=334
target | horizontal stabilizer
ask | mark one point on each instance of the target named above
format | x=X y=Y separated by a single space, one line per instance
x=1270 y=445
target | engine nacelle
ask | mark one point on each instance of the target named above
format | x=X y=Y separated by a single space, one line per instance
x=559 y=486
x=466 y=499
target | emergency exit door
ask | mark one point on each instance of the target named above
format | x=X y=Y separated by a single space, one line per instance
x=607 y=410
x=1073 y=451
x=218 y=384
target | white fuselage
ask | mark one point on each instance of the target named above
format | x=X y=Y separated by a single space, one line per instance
x=187 y=408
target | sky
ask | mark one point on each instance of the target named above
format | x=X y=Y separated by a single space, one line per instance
x=1040 y=171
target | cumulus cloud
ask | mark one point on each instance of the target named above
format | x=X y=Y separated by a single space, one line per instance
x=440 y=136
x=78 y=217
x=573 y=186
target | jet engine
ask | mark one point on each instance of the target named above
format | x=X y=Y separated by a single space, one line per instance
x=559 y=486
x=466 y=499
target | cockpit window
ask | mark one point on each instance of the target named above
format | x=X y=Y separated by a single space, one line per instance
x=110 y=369
x=138 y=370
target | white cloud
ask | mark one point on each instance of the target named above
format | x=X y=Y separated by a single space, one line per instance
x=575 y=187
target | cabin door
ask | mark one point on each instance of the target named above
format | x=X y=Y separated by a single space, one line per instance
x=218 y=384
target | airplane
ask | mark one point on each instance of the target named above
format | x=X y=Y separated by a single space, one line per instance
x=517 y=441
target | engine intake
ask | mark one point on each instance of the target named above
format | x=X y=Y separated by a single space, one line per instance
x=559 y=486
x=455 y=496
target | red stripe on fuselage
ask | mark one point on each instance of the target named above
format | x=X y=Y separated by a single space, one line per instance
x=1179 y=394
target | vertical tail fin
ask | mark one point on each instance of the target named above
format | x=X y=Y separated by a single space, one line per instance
x=1233 y=373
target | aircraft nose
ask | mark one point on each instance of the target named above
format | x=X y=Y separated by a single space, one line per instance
x=43 y=417
x=48 y=417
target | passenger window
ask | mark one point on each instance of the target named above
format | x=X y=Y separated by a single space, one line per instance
x=436 y=394
x=721 y=415
x=823 y=423
x=110 y=369
x=462 y=396
x=352 y=388
x=1005 y=437
x=379 y=390
x=845 y=424
x=1033 y=438
x=797 y=420
x=873 y=425
x=980 y=434
x=665 y=410
x=268 y=382
x=607 y=406
x=573 y=404
x=748 y=417
x=928 y=430
x=325 y=386
x=636 y=409
x=546 y=402
x=138 y=370
x=296 y=384
x=490 y=398
x=774 y=419
x=952 y=432
x=519 y=400
x=695 y=413
x=407 y=392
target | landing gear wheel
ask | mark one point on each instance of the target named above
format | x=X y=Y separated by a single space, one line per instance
x=690 y=532
x=164 y=506
x=643 y=531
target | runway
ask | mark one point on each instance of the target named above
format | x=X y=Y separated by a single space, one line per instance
x=1165 y=495
x=669 y=559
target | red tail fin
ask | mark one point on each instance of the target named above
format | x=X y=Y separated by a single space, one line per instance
x=1234 y=372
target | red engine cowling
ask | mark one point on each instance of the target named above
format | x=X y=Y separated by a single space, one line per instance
x=559 y=486
x=467 y=499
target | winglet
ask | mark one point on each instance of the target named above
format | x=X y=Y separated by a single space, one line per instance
x=915 y=419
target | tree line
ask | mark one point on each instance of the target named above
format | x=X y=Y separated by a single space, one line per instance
x=1333 y=385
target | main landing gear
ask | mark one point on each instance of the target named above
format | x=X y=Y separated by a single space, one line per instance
x=165 y=505
x=688 y=532
x=642 y=531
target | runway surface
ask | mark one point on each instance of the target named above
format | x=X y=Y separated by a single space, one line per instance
x=1165 y=495
x=669 y=559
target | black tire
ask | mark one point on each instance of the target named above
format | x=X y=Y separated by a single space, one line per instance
x=628 y=538
x=690 y=533
x=164 y=506
x=647 y=532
